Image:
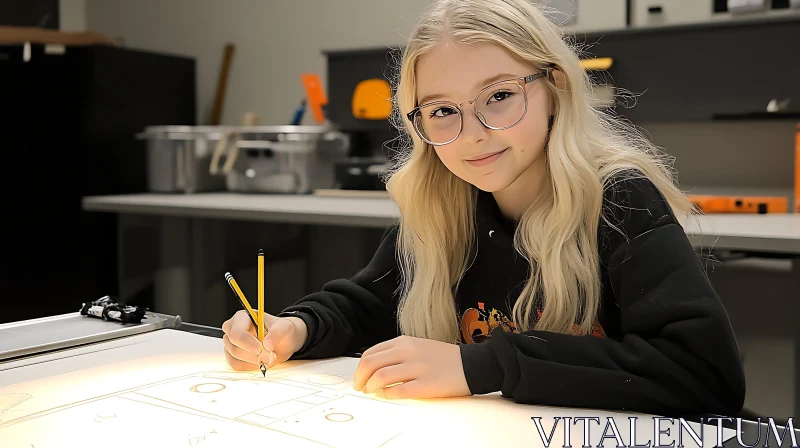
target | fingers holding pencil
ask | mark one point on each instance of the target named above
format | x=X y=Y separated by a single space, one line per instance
x=241 y=332
x=254 y=338
x=244 y=332
x=243 y=350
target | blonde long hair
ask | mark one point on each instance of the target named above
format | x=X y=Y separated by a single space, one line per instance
x=558 y=232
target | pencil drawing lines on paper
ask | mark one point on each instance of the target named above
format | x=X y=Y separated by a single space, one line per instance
x=10 y=401
x=303 y=403
x=339 y=417
x=295 y=402
x=334 y=423
x=324 y=379
x=195 y=440
x=102 y=418
x=232 y=376
x=207 y=388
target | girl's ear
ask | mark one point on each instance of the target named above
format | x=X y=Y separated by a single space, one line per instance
x=558 y=79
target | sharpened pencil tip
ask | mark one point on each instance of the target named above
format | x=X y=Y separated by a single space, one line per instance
x=263 y=369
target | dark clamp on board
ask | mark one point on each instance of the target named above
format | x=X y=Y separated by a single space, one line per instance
x=107 y=308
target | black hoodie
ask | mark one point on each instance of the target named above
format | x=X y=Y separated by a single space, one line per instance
x=662 y=343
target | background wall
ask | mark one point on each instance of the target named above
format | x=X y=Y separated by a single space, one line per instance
x=275 y=41
x=72 y=15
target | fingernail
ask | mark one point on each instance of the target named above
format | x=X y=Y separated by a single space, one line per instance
x=267 y=358
x=380 y=392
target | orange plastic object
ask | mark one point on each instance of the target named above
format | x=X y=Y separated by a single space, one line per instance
x=372 y=100
x=741 y=204
x=317 y=99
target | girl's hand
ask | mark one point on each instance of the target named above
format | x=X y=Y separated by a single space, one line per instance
x=283 y=337
x=427 y=369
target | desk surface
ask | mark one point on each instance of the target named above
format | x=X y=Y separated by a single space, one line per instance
x=153 y=380
x=775 y=233
x=301 y=209
x=768 y=233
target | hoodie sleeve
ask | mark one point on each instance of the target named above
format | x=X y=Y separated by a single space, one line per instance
x=348 y=315
x=676 y=355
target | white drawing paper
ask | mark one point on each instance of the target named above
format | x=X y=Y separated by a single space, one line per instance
x=174 y=389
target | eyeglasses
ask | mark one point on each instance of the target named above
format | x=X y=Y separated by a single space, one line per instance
x=498 y=106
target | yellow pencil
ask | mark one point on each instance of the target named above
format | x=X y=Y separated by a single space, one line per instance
x=240 y=295
x=261 y=304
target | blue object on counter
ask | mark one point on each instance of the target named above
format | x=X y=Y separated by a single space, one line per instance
x=299 y=112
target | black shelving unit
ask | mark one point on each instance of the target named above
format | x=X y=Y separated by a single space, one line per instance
x=698 y=72
x=68 y=123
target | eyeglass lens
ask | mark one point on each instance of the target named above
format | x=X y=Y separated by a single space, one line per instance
x=500 y=106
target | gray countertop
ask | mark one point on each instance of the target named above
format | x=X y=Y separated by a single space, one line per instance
x=778 y=233
x=301 y=209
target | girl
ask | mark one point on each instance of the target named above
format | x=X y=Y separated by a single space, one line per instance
x=539 y=251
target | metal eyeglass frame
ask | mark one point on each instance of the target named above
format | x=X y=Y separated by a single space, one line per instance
x=521 y=82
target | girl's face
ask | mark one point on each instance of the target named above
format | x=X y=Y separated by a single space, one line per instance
x=491 y=160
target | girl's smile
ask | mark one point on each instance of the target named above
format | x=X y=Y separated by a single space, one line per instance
x=486 y=158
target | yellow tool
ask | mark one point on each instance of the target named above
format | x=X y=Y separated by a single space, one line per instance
x=261 y=305
x=596 y=63
x=242 y=299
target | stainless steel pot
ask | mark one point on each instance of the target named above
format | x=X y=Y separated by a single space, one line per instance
x=178 y=158
x=269 y=159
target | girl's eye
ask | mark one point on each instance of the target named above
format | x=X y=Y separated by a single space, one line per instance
x=500 y=95
x=441 y=112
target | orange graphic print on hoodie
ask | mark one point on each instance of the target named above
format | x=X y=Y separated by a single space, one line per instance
x=477 y=324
